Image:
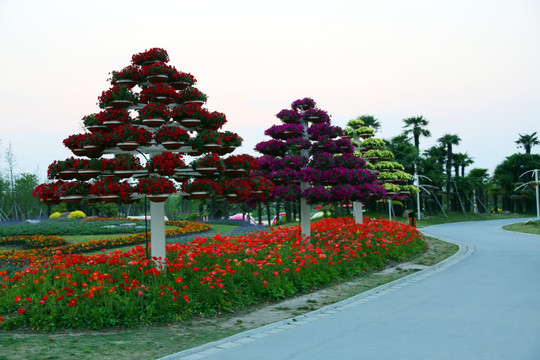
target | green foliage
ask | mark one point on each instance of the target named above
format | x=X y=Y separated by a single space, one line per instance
x=61 y=227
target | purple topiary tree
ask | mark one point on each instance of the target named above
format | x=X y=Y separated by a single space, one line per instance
x=309 y=160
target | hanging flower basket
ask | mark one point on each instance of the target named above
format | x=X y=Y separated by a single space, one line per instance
x=272 y=147
x=155 y=186
x=125 y=165
x=150 y=56
x=154 y=115
x=180 y=80
x=73 y=192
x=128 y=76
x=303 y=104
x=129 y=137
x=206 y=141
x=156 y=72
x=316 y=116
x=158 y=93
x=285 y=131
x=188 y=114
x=238 y=165
x=202 y=189
x=229 y=141
x=213 y=121
x=48 y=193
x=289 y=116
x=209 y=164
x=323 y=130
x=112 y=118
x=191 y=95
x=119 y=96
x=166 y=163
x=171 y=137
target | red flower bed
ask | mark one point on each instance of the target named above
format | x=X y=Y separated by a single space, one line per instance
x=203 y=277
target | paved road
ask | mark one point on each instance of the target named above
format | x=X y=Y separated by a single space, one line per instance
x=483 y=303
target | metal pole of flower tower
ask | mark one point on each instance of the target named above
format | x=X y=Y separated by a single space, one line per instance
x=305 y=221
x=358 y=212
x=157 y=229
x=416 y=182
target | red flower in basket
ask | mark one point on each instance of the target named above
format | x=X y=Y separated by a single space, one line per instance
x=166 y=163
x=209 y=161
x=130 y=133
x=171 y=133
x=191 y=111
x=180 y=80
x=129 y=76
x=214 y=121
x=113 y=117
x=149 y=56
x=156 y=186
x=126 y=162
x=207 y=186
x=158 y=93
x=243 y=161
x=48 y=193
x=236 y=189
x=192 y=95
x=118 y=95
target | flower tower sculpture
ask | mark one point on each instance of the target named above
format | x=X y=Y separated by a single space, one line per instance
x=309 y=159
x=152 y=110
x=390 y=173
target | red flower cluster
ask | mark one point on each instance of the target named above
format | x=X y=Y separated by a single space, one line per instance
x=171 y=133
x=152 y=55
x=243 y=161
x=155 y=111
x=113 y=115
x=156 y=186
x=132 y=133
x=158 y=93
x=166 y=163
x=191 y=111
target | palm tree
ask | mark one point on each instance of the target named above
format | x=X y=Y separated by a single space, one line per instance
x=527 y=142
x=448 y=140
x=369 y=120
x=461 y=161
x=415 y=125
x=436 y=152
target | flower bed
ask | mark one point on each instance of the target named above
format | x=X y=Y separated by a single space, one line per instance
x=204 y=277
x=41 y=248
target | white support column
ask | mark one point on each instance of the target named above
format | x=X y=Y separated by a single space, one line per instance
x=389 y=208
x=358 y=212
x=305 y=221
x=157 y=227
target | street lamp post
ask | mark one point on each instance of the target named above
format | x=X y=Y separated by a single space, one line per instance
x=535 y=174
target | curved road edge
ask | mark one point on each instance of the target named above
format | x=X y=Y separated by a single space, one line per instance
x=465 y=250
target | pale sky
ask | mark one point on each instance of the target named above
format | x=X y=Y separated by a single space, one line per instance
x=470 y=67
